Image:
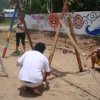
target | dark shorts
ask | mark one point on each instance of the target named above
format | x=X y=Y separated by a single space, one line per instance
x=20 y=36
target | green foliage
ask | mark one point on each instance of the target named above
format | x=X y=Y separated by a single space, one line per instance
x=4 y=4
x=33 y=6
x=40 y=6
x=57 y=5
x=84 y=5
x=5 y=22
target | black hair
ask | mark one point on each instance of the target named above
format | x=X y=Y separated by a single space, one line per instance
x=40 y=47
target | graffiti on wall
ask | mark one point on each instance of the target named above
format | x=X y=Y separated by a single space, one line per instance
x=90 y=21
x=53 y=20
x=83 y=22
x=78 y=21
x=96 y=31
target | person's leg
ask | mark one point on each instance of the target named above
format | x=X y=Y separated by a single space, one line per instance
x=24 y=47
x=34 y=86
x=44 y=77
x=36 y=90
x=23 y=41
x=93 y=61
x=17 y=42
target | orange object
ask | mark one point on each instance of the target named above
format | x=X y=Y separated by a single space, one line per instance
x=53 y=20
x=65 y=50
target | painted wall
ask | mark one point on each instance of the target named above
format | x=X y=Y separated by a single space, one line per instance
x=83 y=22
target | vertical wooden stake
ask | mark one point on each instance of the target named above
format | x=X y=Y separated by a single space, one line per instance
x=72 y=33
x=3 y=67
x=56 y=35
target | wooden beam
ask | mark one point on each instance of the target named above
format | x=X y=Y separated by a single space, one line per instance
x=57 y=35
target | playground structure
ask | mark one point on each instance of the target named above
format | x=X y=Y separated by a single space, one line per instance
x=49 y=8
x=80 y=80
x=70 y=35
x=21 y=17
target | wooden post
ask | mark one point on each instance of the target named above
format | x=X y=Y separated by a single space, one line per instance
x=56 y=35
x=72 y=33
x=3 y=68
x=9 y=33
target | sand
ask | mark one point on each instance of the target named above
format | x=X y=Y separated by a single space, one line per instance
x=66 y=82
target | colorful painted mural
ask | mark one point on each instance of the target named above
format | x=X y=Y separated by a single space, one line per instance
x=89 y=22
x=83 y=22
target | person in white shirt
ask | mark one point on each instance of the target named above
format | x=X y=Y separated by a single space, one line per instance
x=34 y=65
x=20 y=35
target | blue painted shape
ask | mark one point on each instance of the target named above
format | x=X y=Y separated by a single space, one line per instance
x=13 y=18
x=93 y=32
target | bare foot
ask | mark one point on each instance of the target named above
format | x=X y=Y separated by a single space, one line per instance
x=37 y=91
x=93 y=68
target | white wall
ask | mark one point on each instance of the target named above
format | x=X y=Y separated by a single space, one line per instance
x=83 y=22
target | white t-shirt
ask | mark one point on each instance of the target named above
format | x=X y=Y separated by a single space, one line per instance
x=34 y=64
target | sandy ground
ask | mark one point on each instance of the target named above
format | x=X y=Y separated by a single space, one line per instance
x=66 y=83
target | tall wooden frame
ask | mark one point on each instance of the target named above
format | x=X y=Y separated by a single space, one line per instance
x=65 y=10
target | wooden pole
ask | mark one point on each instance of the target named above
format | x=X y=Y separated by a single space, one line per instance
x=9 y=33
x=3 y=68
x=73 y=35
x=56 y=35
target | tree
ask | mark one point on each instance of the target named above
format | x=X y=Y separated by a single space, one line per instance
x=40 y=6
x=4 y=4
x=33 y=6
x=83 y=5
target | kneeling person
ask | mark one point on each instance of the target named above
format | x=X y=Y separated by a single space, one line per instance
x=34 y=65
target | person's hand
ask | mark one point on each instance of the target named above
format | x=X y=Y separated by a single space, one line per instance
x=85 y=65
x=93 y=68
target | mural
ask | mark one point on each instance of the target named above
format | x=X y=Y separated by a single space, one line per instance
x=93 y=32
x=53 y=20
x=87 y=23
x=78 y=21
x=83 y=22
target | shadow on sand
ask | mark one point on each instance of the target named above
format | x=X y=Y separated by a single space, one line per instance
x=28 y=93
x=97 y=69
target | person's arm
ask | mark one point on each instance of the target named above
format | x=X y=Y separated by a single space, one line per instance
x=21 y=26
x=20 y=60
x=47 y=67
x=89 y=55
x=47 y=70
x=92 y=53
x=45 y=76
x=47 y=73
x=18 y=64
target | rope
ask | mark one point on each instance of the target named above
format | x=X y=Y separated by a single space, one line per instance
x=49 y=6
